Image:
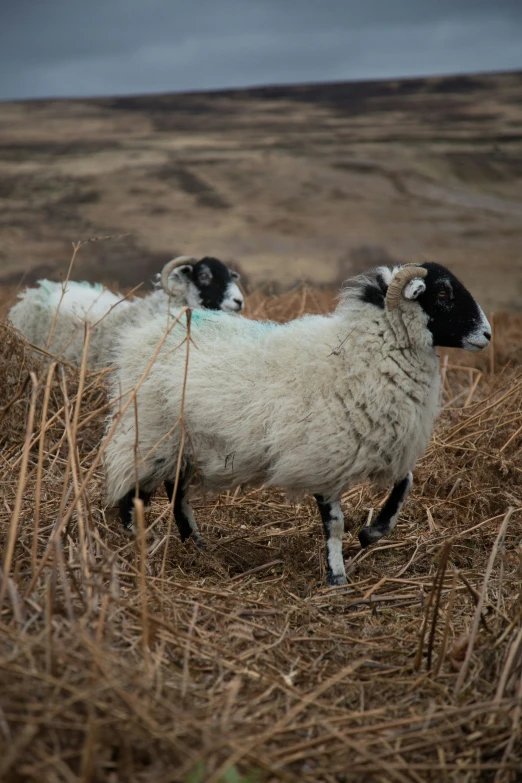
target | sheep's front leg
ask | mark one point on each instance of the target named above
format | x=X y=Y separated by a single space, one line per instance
x=333 y=523
x=389 y=513
x=126 y=505
x=183 y=513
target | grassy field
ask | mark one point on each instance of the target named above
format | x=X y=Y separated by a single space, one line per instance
x=138 y=660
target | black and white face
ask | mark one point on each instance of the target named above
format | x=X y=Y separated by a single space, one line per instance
x=454 y=317
x=211 y=285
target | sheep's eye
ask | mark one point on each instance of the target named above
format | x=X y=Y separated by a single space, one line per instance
x=442 y=294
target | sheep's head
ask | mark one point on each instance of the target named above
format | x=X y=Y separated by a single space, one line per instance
x=207 y=283
x=453 y=317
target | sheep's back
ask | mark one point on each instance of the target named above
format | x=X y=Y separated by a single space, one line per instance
x=41 y=307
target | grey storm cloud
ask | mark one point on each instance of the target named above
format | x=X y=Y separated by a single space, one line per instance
x=55 y=48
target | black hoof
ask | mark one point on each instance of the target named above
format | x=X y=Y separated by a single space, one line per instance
x=334 y=580
x=196 y=538
x=367 y=536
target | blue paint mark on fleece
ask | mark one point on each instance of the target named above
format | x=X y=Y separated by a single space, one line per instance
x=202 y=315
x=46 y=285
x=209 y=316
x=49 y=286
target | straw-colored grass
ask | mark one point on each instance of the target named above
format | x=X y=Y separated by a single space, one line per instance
x=236 y=663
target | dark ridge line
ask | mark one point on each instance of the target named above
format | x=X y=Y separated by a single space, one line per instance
x=269 y=90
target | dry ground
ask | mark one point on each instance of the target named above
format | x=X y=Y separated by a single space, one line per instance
x=148 y=660
x=292 y=182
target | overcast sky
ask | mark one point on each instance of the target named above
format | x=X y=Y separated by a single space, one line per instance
x=106 y=47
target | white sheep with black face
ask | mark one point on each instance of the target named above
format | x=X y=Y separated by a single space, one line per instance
x=184 y=281
x=317 y=404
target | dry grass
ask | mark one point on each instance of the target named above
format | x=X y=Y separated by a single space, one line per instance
x=238 y=665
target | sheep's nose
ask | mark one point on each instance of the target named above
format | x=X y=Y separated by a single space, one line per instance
x=487 y=335
x=239 y=303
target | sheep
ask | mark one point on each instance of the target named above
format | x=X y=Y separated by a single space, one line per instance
x=318 y=404
x=184 y=281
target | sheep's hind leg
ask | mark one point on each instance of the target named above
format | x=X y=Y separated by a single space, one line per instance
x=126 y=505
x=183 y=513
x=333 y=523
x=389 y=513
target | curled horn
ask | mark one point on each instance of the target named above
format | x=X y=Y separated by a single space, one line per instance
x=167 y=269
x=403 y=276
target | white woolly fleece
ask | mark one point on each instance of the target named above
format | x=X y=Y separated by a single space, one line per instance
x=83 y=303
x=318 y=404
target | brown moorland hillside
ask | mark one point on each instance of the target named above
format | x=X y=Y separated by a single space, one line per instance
x=310 y=182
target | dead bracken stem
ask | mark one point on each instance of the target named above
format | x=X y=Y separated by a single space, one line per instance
x=438 y=583
x=480 y=603
x=76 y=247
x=142 y=546
x=13 y=527
x=181 y=447
x=449 y=610
x=40 y=469
x=435 y=592
x=186 y=658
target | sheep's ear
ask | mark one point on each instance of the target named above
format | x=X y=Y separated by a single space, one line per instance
x=414 y=288
x=235 y=275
